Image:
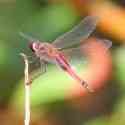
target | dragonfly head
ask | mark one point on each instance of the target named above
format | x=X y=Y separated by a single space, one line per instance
x=33 y=45
x=30 y=45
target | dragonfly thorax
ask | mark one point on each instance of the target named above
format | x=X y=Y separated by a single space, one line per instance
x=42 y=49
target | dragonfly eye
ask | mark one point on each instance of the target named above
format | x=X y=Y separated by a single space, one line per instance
x=33 y=46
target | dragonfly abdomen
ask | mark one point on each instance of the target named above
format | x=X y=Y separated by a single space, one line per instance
x=66 y=67
x=62 y=61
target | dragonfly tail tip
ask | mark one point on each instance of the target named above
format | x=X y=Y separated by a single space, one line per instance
x=85 y=85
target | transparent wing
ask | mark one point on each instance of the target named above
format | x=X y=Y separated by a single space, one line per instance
x=107 y=43
x=73 y=53
x=75 y=58
x=78 y=55
x=104 y=42
x=27 y=37
x=81 y=31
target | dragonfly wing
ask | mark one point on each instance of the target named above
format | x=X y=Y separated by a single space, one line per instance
x=27 y=37
x=75 y=57
x=73 y=53
x=107 y=43
x=79 y=53
x=81 y=31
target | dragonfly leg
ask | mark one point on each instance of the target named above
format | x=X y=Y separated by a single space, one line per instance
x=43 y=69
x=43 y=66
x=32 y=59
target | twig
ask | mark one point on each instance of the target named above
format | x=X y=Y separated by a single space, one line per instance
x=27 y=83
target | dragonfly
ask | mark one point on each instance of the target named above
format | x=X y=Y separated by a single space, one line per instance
x=55 y=52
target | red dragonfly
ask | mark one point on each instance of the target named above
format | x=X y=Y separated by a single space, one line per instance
x=52 y=52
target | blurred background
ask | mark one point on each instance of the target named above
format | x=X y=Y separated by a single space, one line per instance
x=56 y=99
